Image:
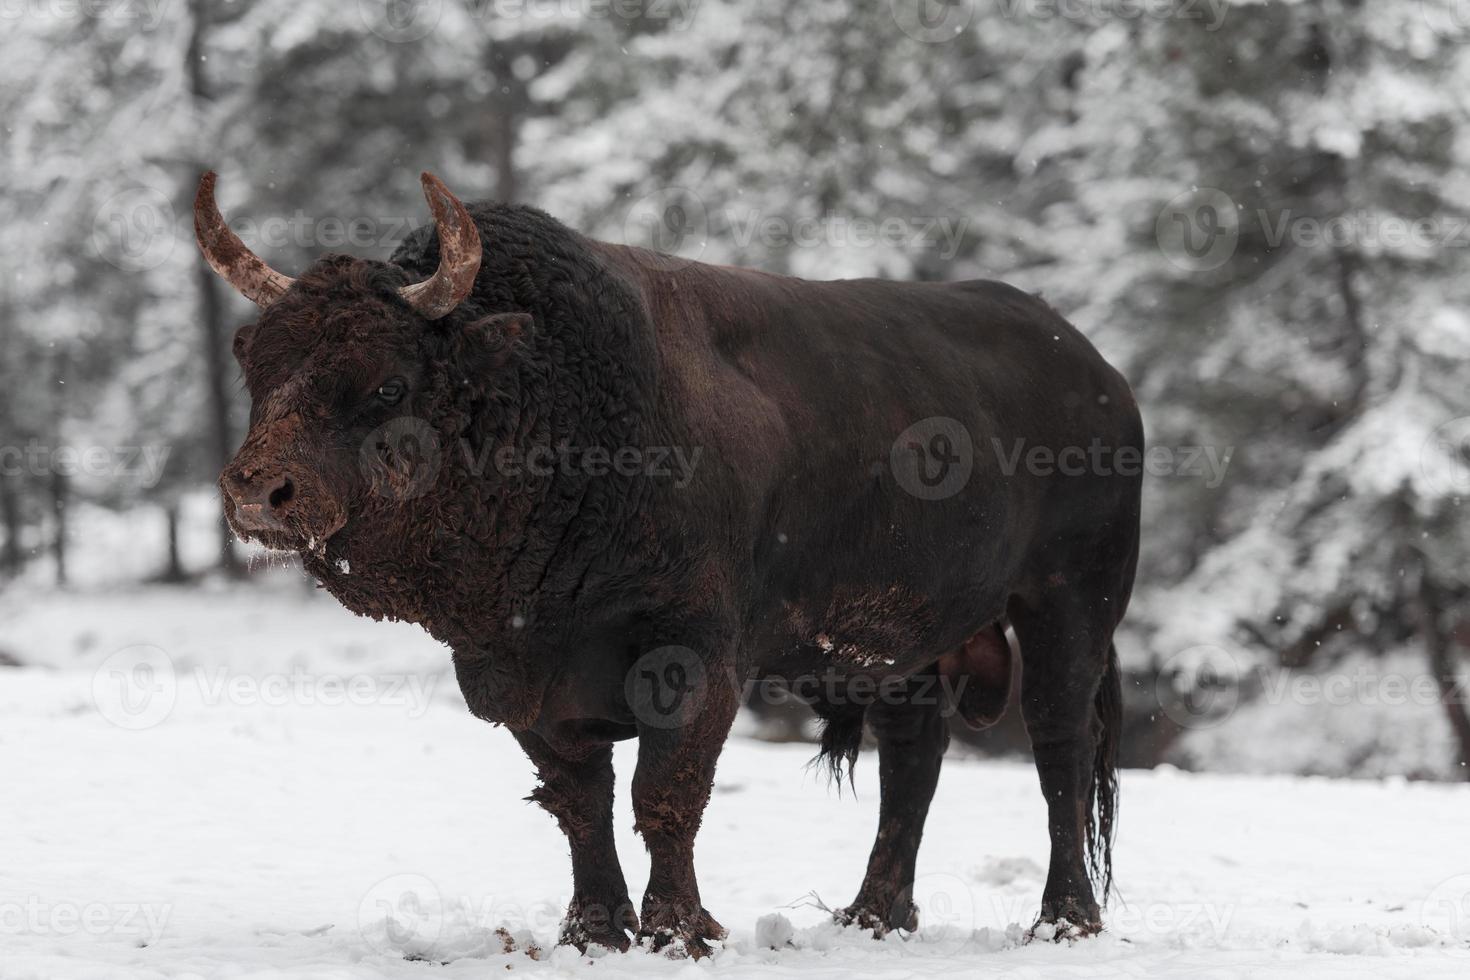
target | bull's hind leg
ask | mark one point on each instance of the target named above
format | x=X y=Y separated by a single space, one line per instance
x=912 y=736
x=1070 y=702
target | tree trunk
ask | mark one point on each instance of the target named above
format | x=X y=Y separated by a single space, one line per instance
x=10 y=558
x=59 y=490
x=503 y=144
x=1440 y=646
x=211 y=321
x=174 y=570
x=211 y=304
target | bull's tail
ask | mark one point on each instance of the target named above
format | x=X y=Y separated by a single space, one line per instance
x=1102 y=804
x=842 y=737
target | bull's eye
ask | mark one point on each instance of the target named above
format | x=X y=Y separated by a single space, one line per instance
x=391 y=392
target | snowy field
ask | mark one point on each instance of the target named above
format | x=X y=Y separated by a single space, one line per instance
x=252 y=783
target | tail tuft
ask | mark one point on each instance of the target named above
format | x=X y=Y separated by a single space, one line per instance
x=842 y=737
x=1102 y=804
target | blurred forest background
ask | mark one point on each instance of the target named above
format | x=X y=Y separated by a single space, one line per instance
x=1256 y=210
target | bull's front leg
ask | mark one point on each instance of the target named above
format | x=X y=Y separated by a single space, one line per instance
x=579 y=793
x=685 y=706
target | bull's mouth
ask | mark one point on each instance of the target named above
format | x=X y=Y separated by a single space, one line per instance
x=307 y=536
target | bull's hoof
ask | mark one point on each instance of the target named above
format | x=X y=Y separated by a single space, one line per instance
x=881 y=917
x=1066 y=919
x=676 y=933
x=590 y=923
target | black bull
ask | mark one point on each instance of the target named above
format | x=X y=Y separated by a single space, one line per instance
x=879 y=478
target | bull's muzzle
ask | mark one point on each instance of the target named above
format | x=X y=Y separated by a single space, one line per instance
x=263 y=500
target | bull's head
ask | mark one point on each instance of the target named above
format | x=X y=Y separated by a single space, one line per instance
x=339 y=356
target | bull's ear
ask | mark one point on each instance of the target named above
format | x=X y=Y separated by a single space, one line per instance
x=486 y=344
x=241 y=344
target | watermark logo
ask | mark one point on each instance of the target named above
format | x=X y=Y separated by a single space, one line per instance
x=673 y=222
x=666 y=687
x=403 y=913
x=1444 y=459
x=1446 y=909
x=947 y=910
x=136 y=687
x=1450 y=19
x=1199 y=229
x=401 y=21
x=932 y=21
x=933 y=458
x=1199 y=687
x=401 y=459
x=134 y=229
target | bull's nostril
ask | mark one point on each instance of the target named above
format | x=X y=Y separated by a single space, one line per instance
x=281 y=495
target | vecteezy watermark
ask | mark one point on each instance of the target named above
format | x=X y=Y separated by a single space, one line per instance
x=329 y=231
x=941 y=233
x=411 y=692
x=144 y=15
x=1195 y=922
x=1444 y=459
x=406 y=914
x=138 y=465
x=1207 y=463
x=1199 y=687
x=835 y=686
x=934 y=458
x=401 y=21
x=1210 y=13
x=1200 y=229
x=677 y=14
x=1446 y=909
x=136 y=687
x=142 y=921
x=403 y=913
x=1449 y=19
x=401 y=458
x=672 y=221
x=948 y=910
x=1202 y=686
x=134 y=229
x=676 y=463
x=676 y=223
x=932 y=21
x=666 y=687
x=404 y=21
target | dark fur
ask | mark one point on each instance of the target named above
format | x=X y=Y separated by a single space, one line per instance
x=791 y=552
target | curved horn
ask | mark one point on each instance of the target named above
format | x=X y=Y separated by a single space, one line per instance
x=228 y=256
x=459 y=255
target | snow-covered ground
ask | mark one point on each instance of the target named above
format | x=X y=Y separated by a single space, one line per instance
x=251 y=782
